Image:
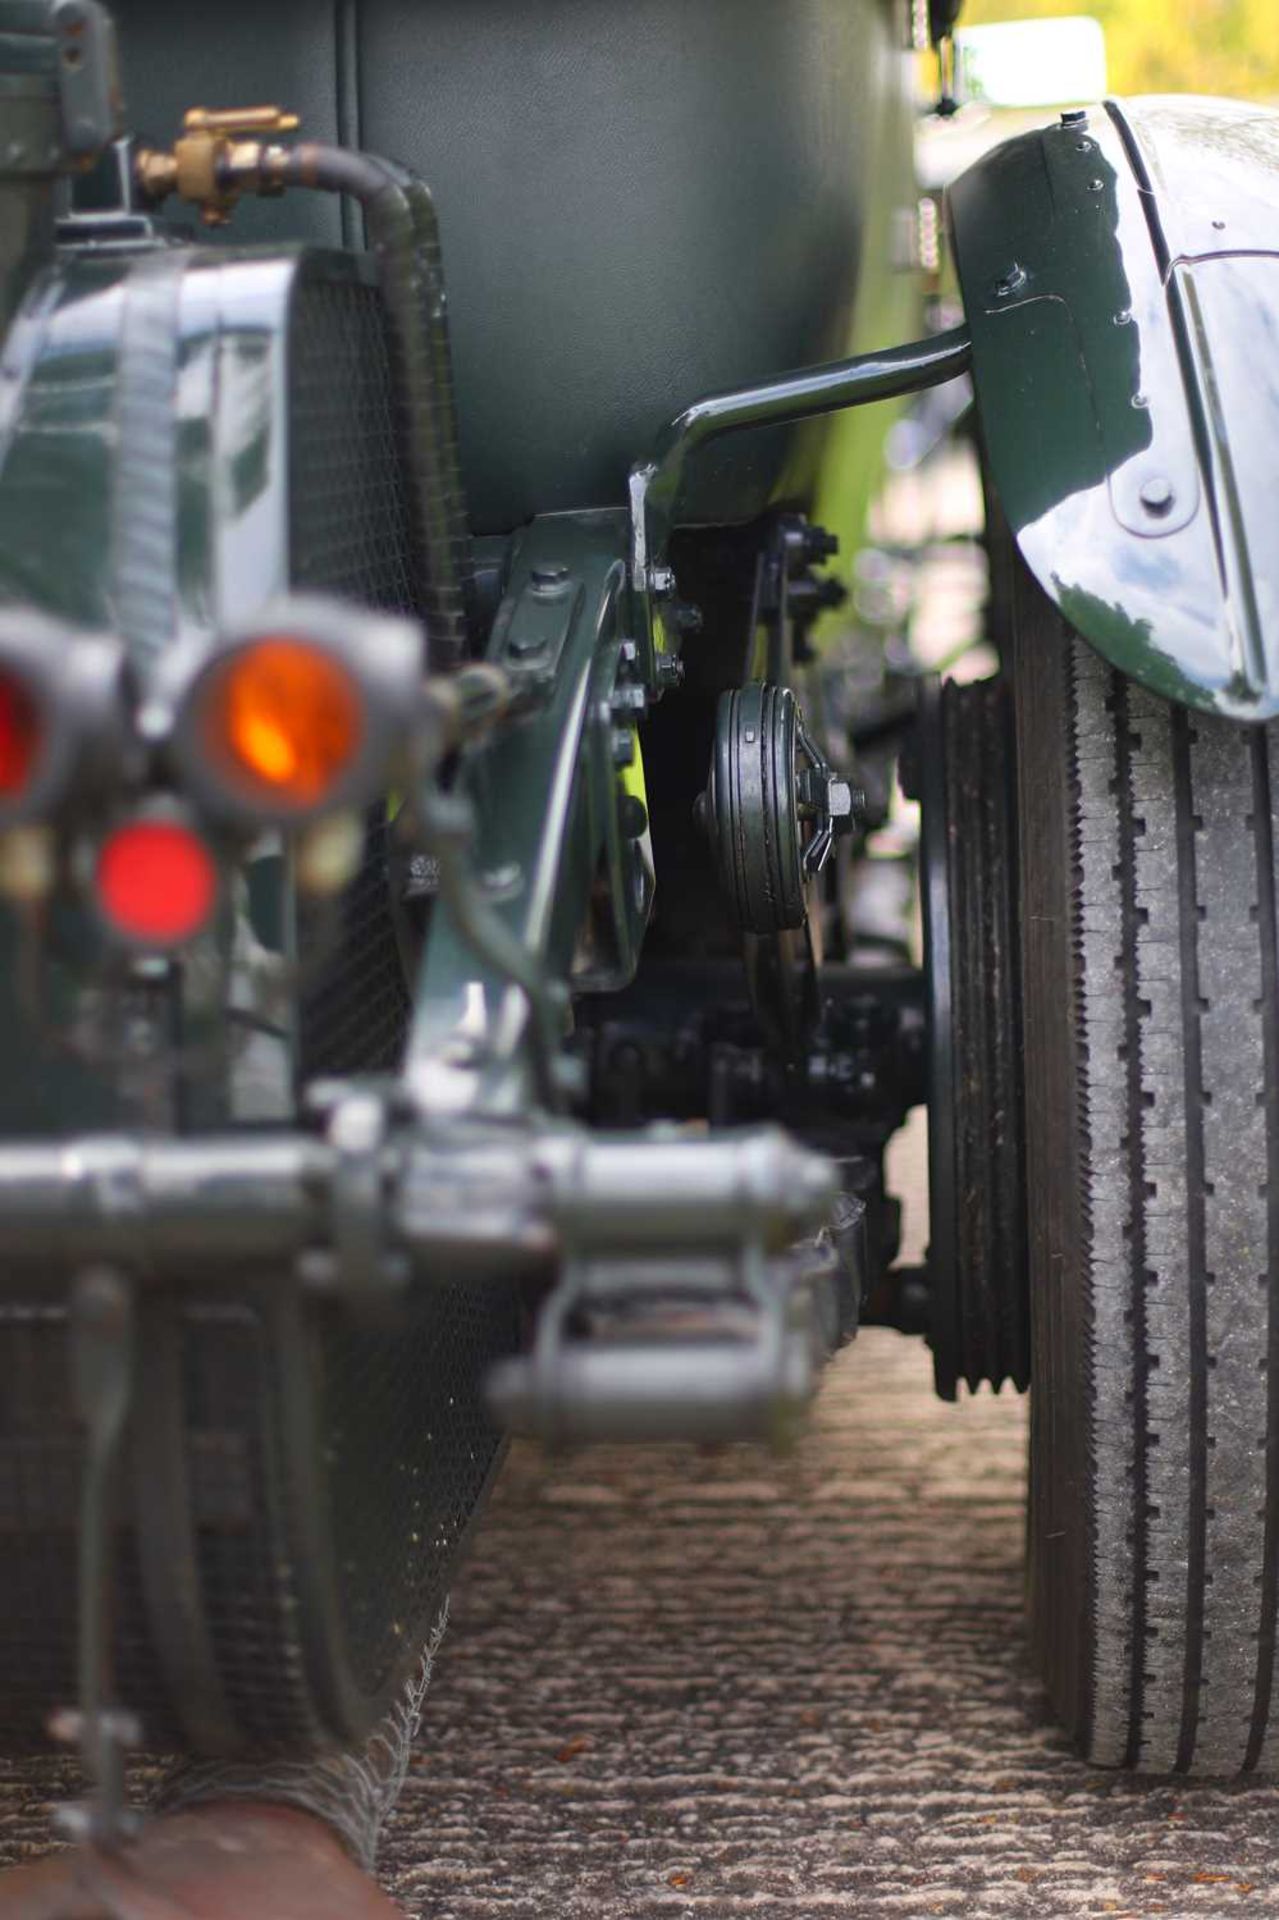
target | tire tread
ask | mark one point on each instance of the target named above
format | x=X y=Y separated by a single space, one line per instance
x=1156 y=1459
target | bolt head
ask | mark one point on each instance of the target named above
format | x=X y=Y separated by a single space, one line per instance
x=1157 y=494
x=632 y=817
x=839 y=799
x=1075 y=117
x=1011 y=282
x=628 y=699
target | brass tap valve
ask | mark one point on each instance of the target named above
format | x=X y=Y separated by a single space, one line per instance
x=217 y=158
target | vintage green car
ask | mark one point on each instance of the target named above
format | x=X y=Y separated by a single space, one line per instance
x=433 y=1000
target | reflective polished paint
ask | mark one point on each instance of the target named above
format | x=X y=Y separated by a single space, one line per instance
x=1122 y=292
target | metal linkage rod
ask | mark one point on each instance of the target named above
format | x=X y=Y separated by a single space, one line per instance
x=204 y=1203
x=656 y=485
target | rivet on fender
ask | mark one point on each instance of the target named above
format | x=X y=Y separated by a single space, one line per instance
x=1157 y=494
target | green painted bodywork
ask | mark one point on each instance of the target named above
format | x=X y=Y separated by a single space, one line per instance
x=68 y=502
x=1121 y=284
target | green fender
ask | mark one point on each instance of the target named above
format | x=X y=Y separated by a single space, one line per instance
x=1120 y=275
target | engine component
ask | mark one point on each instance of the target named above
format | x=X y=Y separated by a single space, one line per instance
x=686 y=1043
x=768 y=782
x=977 y=1260
x=788 y=594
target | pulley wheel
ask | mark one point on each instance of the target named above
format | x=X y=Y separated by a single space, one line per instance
x=751 y=808
x=977 y=1203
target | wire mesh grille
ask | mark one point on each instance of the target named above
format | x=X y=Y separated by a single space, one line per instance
x=350 y=535
x=355 y=1008
x=406 y=1446
x=245 y=1556
x=407 y=1451
x=349 y=517
x=41 y=1452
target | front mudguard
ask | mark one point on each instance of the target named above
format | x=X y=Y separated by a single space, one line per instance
x=1120 y=274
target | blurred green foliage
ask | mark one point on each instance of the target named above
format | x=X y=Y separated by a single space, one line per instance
x=1171 y=46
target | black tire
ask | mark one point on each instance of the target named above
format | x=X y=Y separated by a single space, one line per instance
x=1151 y=1005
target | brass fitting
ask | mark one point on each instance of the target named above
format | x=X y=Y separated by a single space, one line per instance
x=213 y=162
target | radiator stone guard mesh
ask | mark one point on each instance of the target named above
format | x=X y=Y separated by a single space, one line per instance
x=350 y=535
x=298 y=1487
x=331 y=1475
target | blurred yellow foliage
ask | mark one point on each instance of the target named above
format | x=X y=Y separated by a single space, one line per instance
x=1170 y=46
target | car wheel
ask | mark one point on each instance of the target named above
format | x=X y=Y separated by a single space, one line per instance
x=1150 y=998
